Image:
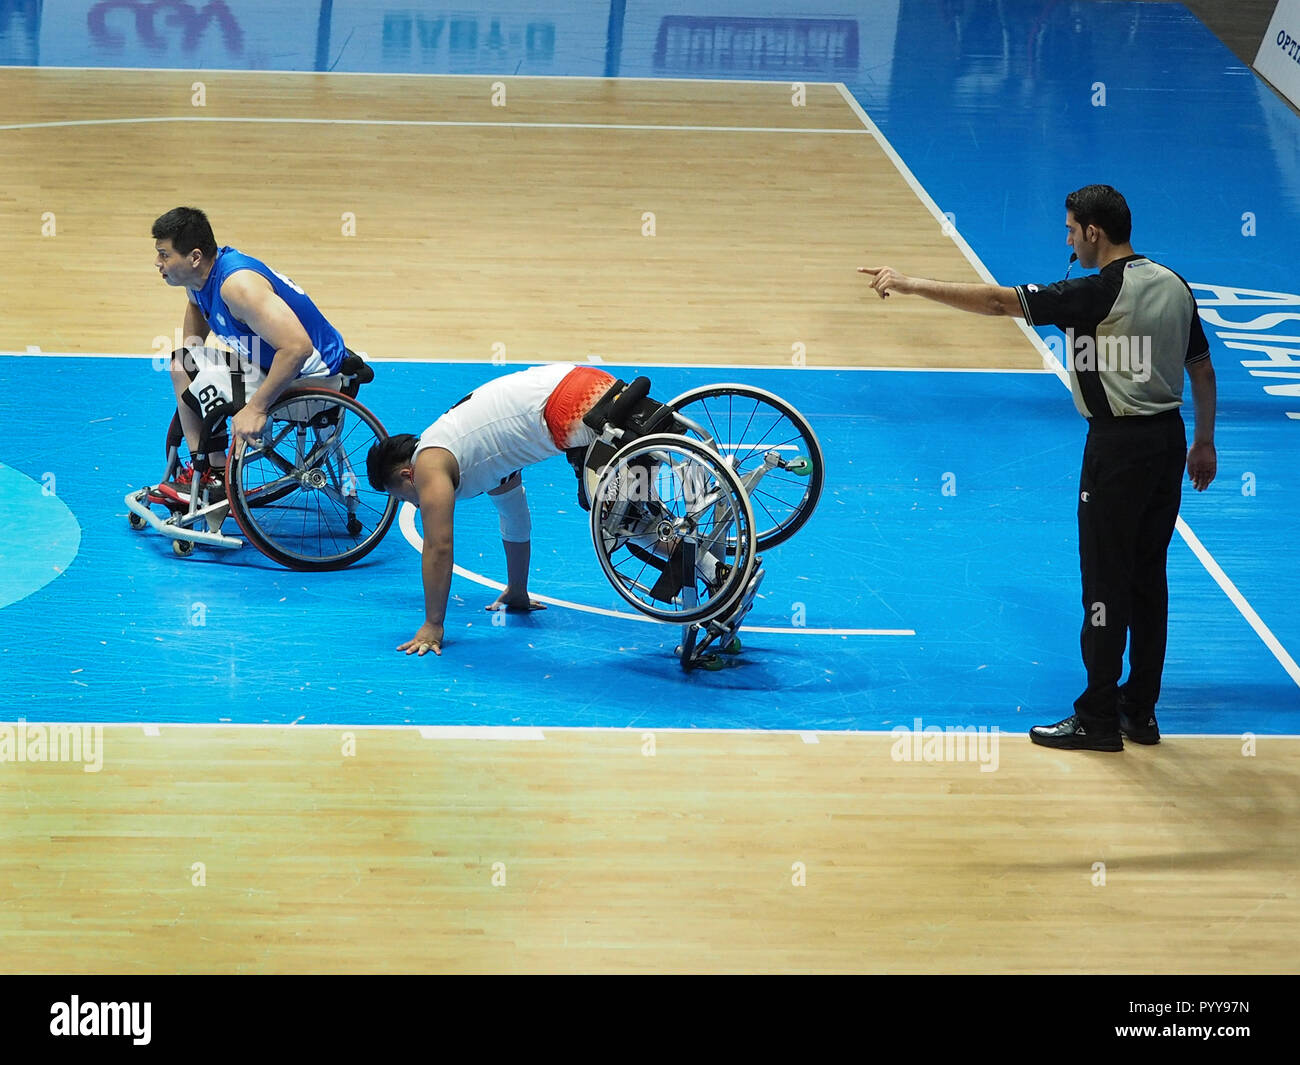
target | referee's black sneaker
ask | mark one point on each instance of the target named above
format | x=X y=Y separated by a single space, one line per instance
x=1073 y=735
x=1139 y=725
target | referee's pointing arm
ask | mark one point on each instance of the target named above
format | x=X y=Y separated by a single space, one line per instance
x=964 y=296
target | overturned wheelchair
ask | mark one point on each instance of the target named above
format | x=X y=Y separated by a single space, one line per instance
x=685 y=495
x=300 y=496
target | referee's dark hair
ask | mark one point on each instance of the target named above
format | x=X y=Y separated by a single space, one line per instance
x=187 y=228
x=387 y=457
x=1103 y=207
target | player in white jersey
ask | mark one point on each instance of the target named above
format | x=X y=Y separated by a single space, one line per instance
x=480 y=446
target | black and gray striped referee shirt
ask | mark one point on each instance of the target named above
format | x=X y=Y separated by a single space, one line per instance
x=1130 y=329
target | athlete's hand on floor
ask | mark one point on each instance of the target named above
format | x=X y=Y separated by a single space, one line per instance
x=428 y=638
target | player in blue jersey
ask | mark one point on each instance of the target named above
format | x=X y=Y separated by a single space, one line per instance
x=274 y=331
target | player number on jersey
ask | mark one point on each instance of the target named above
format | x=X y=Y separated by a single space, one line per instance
x=288 y=282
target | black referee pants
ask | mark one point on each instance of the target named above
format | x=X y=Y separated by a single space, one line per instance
x=1130 y=487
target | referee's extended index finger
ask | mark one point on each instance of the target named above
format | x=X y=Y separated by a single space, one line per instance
x=872 y=270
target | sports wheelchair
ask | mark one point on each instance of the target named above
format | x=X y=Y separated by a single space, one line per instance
x=685 y=495
x=301 y=496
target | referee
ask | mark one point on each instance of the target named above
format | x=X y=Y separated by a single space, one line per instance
x=1131 y=329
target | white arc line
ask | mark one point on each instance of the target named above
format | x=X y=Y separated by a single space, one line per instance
x=1198 y=549
x=406 y=522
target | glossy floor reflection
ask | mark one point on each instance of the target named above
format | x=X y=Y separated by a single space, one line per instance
x=999 y=108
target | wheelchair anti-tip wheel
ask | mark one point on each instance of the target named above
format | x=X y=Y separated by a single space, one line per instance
x=673 y=528
x=302 y=497
x=769 y=445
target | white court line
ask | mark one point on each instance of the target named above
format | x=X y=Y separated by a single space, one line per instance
x=552 y=729
x=431 y=122
x=1198 y=549
x=480 y=732
x=1239 y=600
x=420 y=360
x=782 y=83
x=406 y=522
x=1050 y=362
x=634 y=365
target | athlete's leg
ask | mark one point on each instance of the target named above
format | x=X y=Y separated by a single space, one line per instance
x=184 y=367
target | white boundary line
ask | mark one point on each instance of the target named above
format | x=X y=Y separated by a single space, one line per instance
x=1050 y=362
x=633 y=365
x=480 y=732
x=1198 y=549
x=526 y=732
x=432 y=123
x=1212 y=567
x=429 y=74
x=406 y=522
x=1239 y=600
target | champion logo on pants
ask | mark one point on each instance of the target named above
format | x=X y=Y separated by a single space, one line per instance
x=1083 y=496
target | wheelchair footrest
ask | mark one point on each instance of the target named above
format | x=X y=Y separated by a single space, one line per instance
x=703 y=641
x=177 y=526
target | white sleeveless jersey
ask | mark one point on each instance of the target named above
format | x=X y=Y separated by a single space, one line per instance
x=499 y=428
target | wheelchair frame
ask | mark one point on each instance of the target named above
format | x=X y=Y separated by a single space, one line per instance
x=201 y=520
x=719 y=524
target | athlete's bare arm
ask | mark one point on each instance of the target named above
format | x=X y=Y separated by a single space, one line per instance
x=434 y=478
x=253 y=301
x=195 y=326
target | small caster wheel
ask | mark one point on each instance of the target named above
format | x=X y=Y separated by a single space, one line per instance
x=712 y=662
x=135 y=521
x=183 y=548
x=733 y=648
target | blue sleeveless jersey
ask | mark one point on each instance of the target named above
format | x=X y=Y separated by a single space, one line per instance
x=324 y=337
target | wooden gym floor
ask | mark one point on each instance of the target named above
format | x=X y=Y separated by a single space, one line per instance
x=523 y=226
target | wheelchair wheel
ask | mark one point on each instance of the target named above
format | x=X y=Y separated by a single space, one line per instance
x=302 y=498
x=673 y=529
x=745 y=425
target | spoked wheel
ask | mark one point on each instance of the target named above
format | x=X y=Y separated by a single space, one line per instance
x=302 y=498
x=673 y=528
x=755 y=431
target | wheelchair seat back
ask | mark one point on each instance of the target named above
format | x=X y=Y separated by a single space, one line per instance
x=355 y=373
x=629 y=409
x=623 y=414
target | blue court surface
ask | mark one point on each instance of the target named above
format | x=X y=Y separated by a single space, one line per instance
x=994 y=106
x=986 y=578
